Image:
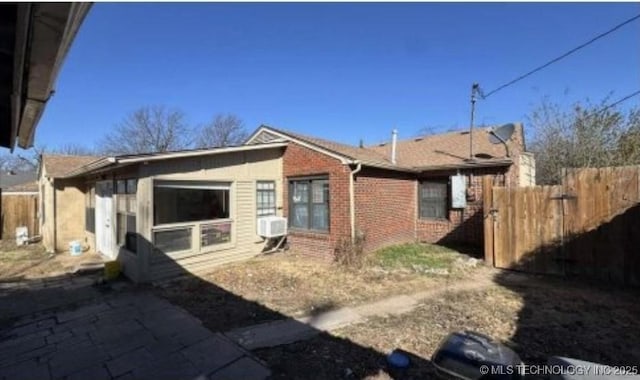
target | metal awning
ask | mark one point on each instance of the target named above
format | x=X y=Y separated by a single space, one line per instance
x=34 y=41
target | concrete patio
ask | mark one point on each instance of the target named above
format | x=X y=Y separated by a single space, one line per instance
x=124 y=335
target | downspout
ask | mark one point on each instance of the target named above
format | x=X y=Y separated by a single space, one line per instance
x=55 y=221
x=352 y=201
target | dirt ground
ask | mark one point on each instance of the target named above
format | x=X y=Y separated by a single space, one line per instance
x=538 y=318
x=32 y=261
x=290 y=285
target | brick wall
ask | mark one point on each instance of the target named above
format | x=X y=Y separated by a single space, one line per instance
x=385 y=207
x=299 y=161
x=463 y=226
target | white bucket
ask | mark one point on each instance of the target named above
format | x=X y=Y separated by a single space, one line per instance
x=75 y=248
x=22 y=235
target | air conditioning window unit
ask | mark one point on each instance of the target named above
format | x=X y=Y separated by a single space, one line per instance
x=272 y=226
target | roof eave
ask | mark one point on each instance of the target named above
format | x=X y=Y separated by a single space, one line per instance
x=466 y=165
x=119 y=161
x=52 y=28
x=344 y=159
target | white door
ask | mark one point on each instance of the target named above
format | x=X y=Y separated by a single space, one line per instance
x=104 y=214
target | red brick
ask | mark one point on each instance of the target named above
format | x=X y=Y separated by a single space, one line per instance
x=386 y=205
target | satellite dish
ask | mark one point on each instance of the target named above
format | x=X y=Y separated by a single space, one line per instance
x=501 y=134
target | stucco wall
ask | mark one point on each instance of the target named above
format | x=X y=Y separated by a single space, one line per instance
x=69 y=217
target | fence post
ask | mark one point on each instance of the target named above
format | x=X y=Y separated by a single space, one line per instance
x=487 y=206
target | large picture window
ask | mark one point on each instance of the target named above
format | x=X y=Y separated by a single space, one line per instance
x=191 y=216
x=189 y=201
x=265 y=198
x=433 y=196
x=309 y=204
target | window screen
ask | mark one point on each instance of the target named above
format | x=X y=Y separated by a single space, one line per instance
x=433 y=199
x=309 y=204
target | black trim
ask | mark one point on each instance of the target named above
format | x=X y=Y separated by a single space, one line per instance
x=437 y=180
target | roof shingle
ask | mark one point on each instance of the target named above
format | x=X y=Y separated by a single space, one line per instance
x=58 y=165
x=366 y=156
x=442 y=150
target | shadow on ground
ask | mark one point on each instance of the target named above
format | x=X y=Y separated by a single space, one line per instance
x=586 y=306
x=319 y=355
x=322 y=357
x=574 y=318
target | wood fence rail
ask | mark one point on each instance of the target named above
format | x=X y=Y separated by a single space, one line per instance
x=589 y=226
x=19 y=210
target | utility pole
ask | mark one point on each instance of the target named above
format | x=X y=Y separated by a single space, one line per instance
x=474 y=90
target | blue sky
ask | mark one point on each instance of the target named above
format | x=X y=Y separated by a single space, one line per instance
x=339 y=71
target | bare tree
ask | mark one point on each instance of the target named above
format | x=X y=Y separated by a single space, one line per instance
x=15 y=163
x=70 y=149
x=30 y=159
x=149 y=129
x=587 y=135
x=223 y=130
x=629 y=142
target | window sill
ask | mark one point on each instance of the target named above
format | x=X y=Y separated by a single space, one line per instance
x=434 y=220
x=169 y=226
x=318 y=234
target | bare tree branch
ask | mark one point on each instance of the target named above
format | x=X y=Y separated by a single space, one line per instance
x=584 y=136
x=223 y=130
x=149 y=129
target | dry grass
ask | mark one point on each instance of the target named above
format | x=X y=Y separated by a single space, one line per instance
x=32 y=261
x=296 y=285
x=288 y=285
x=536 y=318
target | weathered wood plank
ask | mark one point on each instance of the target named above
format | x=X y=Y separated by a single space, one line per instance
x=587 y=227
x=19 y=210
x=487 y=206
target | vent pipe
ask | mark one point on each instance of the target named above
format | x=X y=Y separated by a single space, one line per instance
x=394 y=140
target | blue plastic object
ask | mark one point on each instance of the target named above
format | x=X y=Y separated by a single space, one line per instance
x=398 y=360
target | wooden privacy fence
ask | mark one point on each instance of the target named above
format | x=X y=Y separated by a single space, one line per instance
x=589 y=226
x=19 y=210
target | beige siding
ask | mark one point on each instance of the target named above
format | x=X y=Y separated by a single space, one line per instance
x=137 y=267
x=241 y=170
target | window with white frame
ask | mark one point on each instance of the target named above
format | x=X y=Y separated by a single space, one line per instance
x=265 y=198
x=188 y=213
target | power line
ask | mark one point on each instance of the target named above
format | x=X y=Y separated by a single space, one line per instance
x=618 y=102
x=594 y=39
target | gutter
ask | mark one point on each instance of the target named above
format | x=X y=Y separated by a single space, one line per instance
x=94 y=165
x=50 y=31
x=105 y=162
x=470 y=165
x=352 y=206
